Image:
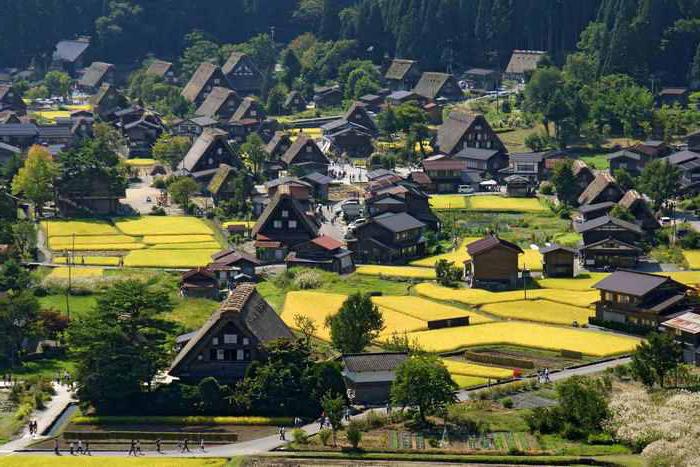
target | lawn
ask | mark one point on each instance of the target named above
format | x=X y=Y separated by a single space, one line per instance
x=457 y=256
x=97 y=461
x=693 y=258
x=487 y=203
x=427 y=310
x=588 y=342
x=596 y=161
x=318 y=306
x=457 y=367
x=397 y=271
x=79 y=304
x=192 y=313
x=476 y=297
x=153 y=258
x=61 y=272
x=540 y=310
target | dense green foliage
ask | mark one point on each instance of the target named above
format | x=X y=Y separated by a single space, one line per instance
x=636 y=37
x=356 y=324
x=656 y=358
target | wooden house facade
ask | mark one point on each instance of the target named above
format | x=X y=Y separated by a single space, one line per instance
x=559 y=261
x=493 y=263
x=390 y=238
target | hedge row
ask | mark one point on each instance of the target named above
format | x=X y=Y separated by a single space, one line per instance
x=188 y=420
x=499 y=360
x=149 y=435
x=629 y=328
x=451 y=458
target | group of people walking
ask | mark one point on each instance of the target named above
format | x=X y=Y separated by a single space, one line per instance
x=74 y=448
x=543 y=376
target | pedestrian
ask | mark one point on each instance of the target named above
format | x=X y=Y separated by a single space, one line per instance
x=138 y=448
x=201 y=444
x=283 y=433
x=320 y=423
x=80 y=446
x=158 y=445
x=132 y=448
x=546 y=375
x=185 y=446
x=55 y=447
x=87 y=448
x=71 y=448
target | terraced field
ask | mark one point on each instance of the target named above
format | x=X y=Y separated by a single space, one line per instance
x=149 y=241
x=427 y=310
x=544 y=311
x=494 y=203
x=397 y=271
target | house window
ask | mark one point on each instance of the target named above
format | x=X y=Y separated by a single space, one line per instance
x=239 y=354
x=230 y=339
x=214 y=341
x=285 y=213
x=200 y=357
x=308 y=149
x=220 y=354
x=277 y=224
x=220 y=151
x=292 y=224
x=253 y=113
x=217 y=80
x=246 y=341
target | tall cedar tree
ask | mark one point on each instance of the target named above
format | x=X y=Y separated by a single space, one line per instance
x=564 y=182
x=357 y=323
x=655 y=358
x=121 y=344
x=660 y=181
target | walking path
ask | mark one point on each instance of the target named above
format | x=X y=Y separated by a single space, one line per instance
x=270 y=443
x=44 y=419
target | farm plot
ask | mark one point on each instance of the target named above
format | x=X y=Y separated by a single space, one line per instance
x=317 y=306
x=62 y=272
x=456 y=256
x=91 y=260
x=530 y=259
x=693 y=258
x=487 y=203
x=426 y=310
x=477 y=297
x=397 y=271
x=543 y=311
x=524 y=334
x=155 y=258
x=166 y=242
x=464 y=381
x=457 y=367
x=582 y=282
x=162 y=225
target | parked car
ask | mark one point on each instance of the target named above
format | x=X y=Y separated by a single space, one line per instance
x=465 y=190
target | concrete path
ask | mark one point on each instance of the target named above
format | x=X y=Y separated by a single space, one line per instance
x=44 y=419
x=270 y=443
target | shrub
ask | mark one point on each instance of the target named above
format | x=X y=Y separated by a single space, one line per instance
x=307 y=279
x=546 y=188
x=354 y=434
x=543 y=420
x=601 y=439
x=507 y=402
x=299 y=436
x=325 y=436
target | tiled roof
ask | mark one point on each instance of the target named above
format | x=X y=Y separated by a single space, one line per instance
x=632 y=283
x=398 y=69
x=524 y=60
x=489 y=242
x=381 y=361
x=602 y=220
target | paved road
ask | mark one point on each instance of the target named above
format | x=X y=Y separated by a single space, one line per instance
x=269 y=443
x=44 y=419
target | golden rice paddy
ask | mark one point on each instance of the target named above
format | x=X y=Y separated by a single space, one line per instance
x=543 y=311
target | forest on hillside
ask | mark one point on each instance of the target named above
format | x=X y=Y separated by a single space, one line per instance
x=643 y=38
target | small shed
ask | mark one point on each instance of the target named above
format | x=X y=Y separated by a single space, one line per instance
x=558 y=261
x=493 y=261
x=368 y=376
x=517 y=186
x=685 y=329
x=200 y=283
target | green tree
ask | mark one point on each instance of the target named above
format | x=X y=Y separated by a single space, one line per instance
x=655 y=358
x=254 y=150
x=545 y=95
x=18 y=316
x=25 y=238
x=624 y=179
x=446 y=273
x=422 y=381
x=170 y=150
x=181 y=190
x=583 y=406
x=58 y=83
x=357 y=323
x=623 y=213
x=564 y=182
x=660 y=181
x=292 y=67
x=618 y=102
x=37 y=92
x=198 y=50
x=275 y=100
x=35 y=180
x=14 y=277
x=408 y=114
x=387 y=122
x=333 y=405
x=121 y=344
